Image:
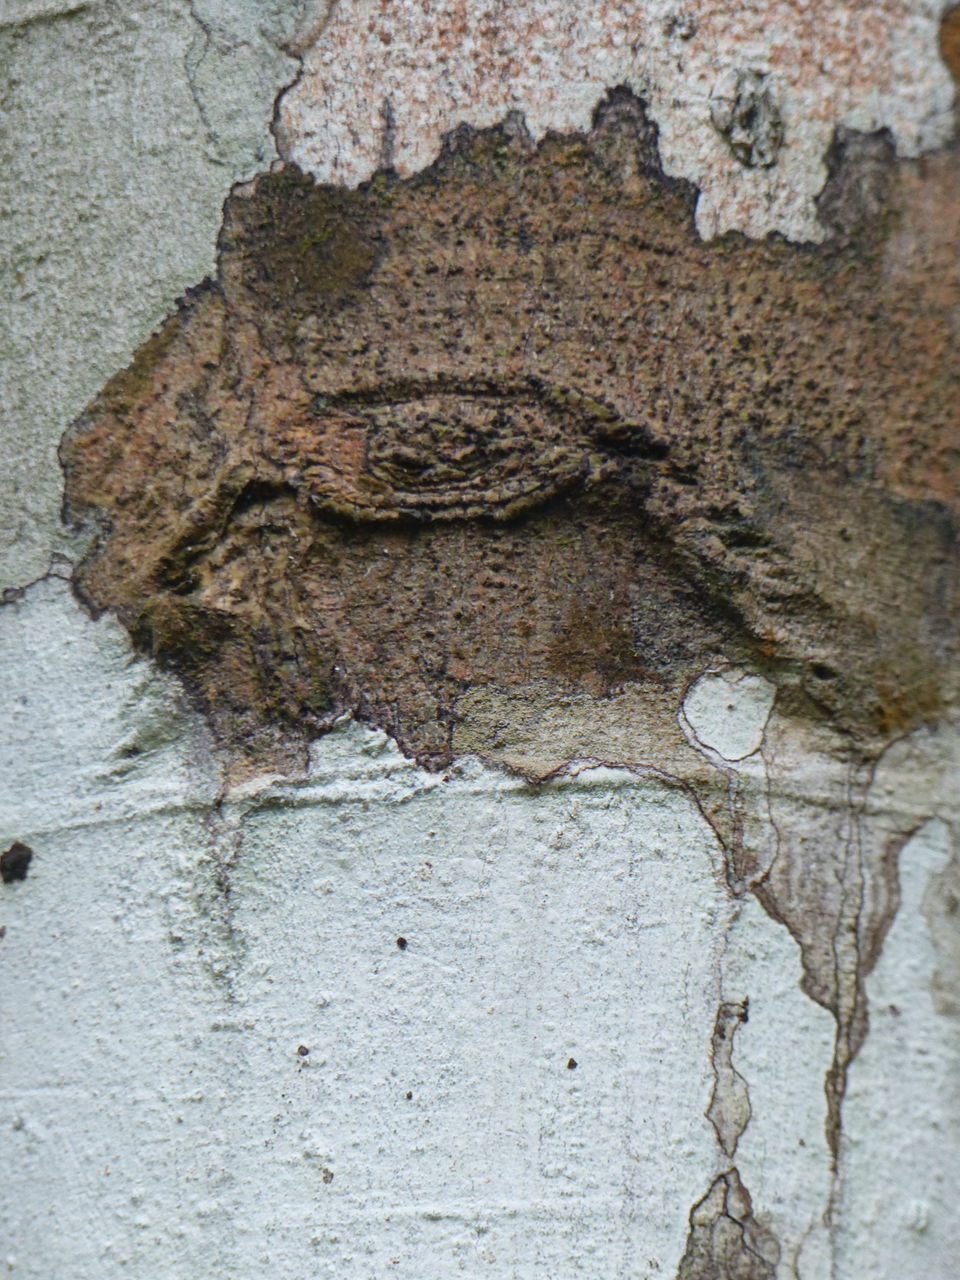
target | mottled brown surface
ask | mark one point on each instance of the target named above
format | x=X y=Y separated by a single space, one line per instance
x=511 y=423
x=950 y=40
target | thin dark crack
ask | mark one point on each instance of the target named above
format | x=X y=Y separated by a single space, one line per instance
x=297 y=46
x=11 y=595
x=192 y=61
x=388 y=134
x=729 y=1111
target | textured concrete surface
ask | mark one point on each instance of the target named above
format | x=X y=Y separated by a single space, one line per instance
x=220 y=1054
x=173 y=952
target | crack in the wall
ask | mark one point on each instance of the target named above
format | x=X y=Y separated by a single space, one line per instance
x=60 y=568
x=308 y=33
x=193 y=58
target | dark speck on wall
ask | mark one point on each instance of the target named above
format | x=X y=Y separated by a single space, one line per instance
x=15 y=862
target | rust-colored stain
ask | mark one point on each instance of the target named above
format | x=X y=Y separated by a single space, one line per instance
x=950 y=41
x=511 y=423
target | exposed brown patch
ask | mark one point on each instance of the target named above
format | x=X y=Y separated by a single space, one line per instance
x=726 y=1242
x=950 y=41
x=511 y=423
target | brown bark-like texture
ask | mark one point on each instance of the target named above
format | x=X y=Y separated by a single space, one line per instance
x=510 y=423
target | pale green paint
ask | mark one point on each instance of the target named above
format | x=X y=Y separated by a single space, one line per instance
x=124 y=126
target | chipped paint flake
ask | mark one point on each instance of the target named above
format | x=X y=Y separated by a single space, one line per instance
x=727 y=712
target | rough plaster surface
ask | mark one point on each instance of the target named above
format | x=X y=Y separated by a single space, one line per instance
x=152 y=1080
x=901 y=1121
x=385 y=82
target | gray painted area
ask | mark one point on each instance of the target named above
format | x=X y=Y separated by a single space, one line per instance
x=124 y=127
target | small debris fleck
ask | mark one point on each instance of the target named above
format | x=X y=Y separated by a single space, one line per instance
x=572 y=1064
x=408 y=1095
x=680 y=26
x=749 y=119
x=326 y=1174
x=302 y=1050
x=402 y=944
x=15 y=861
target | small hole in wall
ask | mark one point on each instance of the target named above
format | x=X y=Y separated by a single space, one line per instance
x=822 y=672
x=402 y=944
x=572 y=1064
x=15 y=861
x=408 y=1095
x=302 y=1050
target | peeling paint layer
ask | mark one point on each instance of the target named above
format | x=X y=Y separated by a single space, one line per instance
x=726 y=1240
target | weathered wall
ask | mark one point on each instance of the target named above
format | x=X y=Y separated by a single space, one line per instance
x=648 y=966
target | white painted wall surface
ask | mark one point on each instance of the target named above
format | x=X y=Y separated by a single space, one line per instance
x=172 y=947
x=170 y=953
x=157 y=1108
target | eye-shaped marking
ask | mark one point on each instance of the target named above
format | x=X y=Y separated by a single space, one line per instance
x=444 y=450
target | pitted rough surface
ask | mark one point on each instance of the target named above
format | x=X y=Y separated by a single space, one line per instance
x=512 y=423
